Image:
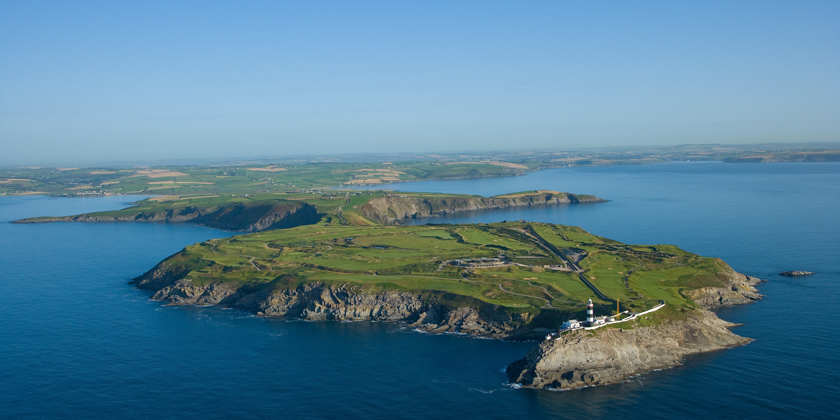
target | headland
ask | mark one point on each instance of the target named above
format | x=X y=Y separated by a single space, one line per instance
x=510 y=280
x=326 y=254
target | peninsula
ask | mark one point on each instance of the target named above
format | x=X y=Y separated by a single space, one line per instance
x=509 y=280
x=257 y=212
x=328 y=254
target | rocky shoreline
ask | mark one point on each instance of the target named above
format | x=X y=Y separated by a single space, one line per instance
x=579 y=359
x=611 y=355
x=395 y=209
x=323 y=302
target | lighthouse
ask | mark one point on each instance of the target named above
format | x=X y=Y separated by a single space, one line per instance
x=590 y=313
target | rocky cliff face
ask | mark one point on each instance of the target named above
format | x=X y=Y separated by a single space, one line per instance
x=578 y=359
x=318 y=301
x=740 y=289
x=609 y=355
x=239 y=217
x=393 y=209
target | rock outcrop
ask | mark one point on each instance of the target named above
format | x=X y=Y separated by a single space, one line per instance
x=609 y=355
x=739 y=290
x=796 y=273
x=395 y=208
x=426 y=311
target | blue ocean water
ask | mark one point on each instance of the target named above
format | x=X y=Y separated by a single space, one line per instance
x=76 y=341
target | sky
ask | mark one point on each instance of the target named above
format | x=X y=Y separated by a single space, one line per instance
x=93 y=81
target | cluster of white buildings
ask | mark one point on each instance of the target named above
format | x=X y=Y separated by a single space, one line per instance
x=592 y=322
x=591 y=319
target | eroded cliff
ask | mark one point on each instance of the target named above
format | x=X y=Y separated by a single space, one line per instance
x=429 y=311
x=612 y=354
x=395 y=208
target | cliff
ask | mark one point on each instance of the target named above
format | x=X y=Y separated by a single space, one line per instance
x=404 y=273
x=739 y=289
x=247 y=217
x=427 y=311
x=610 y=355
x=393 y=209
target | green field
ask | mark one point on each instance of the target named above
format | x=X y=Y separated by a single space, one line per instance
x=421 y=259
x=303 y=173
x=339 y=239
x=202 y=181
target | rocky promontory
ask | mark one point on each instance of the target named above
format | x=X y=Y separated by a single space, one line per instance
x=609 y=355
x=421 y=276
x=740 y=289
x=396 y=208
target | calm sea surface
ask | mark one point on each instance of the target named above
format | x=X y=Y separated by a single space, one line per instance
x=76 y=341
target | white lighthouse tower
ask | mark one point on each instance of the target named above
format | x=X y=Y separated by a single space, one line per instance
x=590 y=313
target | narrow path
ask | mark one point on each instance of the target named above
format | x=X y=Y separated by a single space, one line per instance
x=213 y=248
x=544 y=290
x=547 y=302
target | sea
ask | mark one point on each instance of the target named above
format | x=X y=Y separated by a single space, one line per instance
x=77 y=341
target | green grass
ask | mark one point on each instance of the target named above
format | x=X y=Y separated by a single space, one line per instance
x=231 y=180
x=411 y=258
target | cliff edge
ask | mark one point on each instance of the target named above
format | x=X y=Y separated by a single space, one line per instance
x=609 y=355
x=395 y=208
x=428 y=311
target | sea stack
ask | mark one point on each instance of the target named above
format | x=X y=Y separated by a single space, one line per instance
x=796 y=273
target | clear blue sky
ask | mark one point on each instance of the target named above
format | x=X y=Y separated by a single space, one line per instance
x=113 y=80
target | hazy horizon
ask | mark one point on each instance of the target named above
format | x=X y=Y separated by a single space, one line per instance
x=95 y=82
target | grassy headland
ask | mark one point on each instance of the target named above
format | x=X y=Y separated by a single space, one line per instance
x=501 y=266
x=256 y=212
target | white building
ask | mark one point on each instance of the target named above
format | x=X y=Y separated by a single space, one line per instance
x=572 y=323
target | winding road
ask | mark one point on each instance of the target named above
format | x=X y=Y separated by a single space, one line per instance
x=528 y=230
